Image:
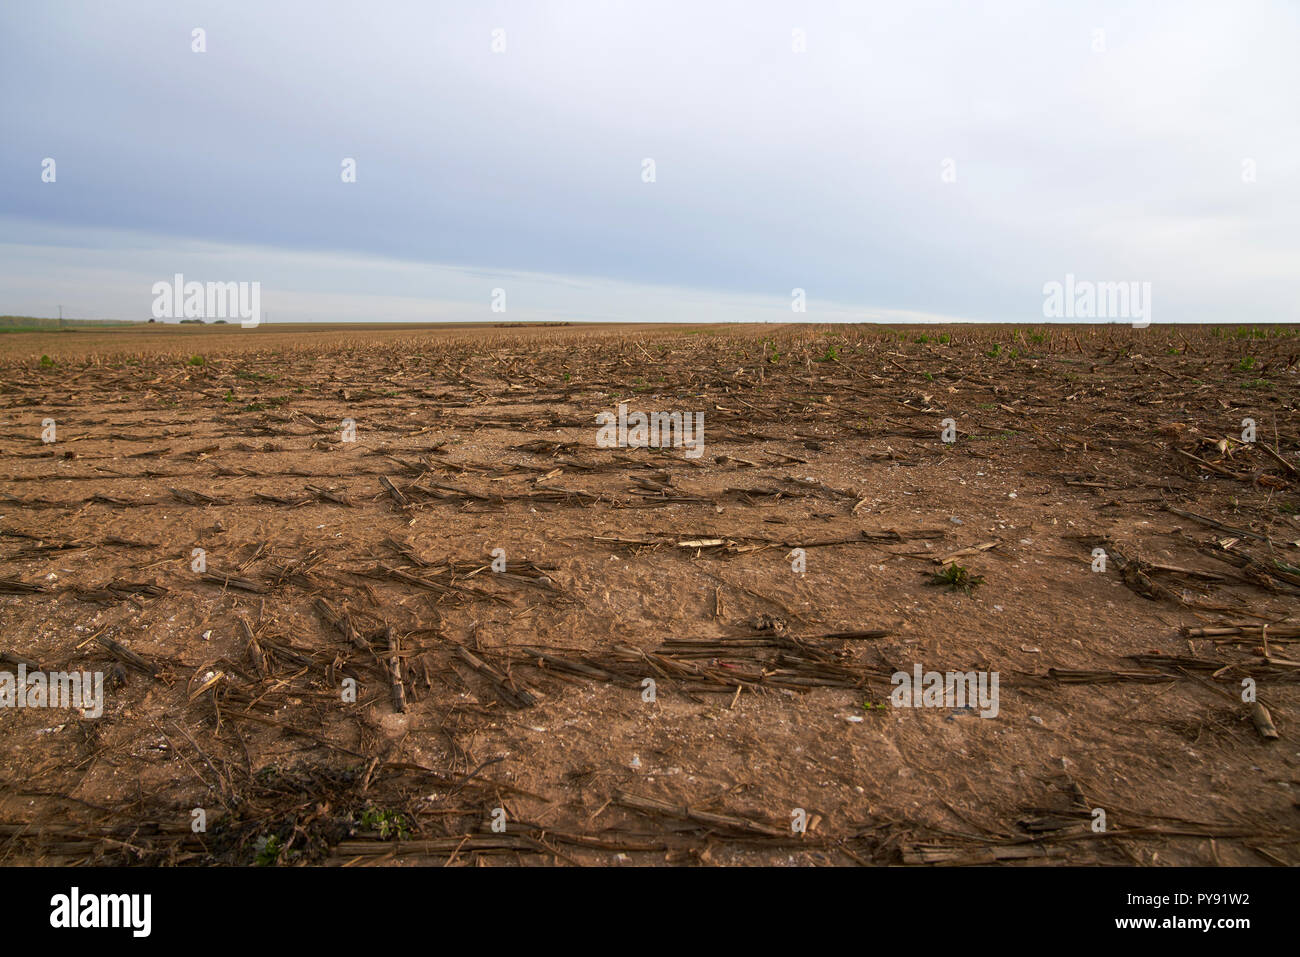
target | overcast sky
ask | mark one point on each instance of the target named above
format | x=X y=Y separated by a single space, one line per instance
x=918 y=161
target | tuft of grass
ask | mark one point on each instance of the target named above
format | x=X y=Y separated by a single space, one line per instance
x=47 y=362
x=197 y=360
x=957 y=577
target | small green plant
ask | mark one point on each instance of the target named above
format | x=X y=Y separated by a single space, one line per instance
x=995 y=351
x=47 y=362
x=957 y=577
x=268 y=851
x=831 y=354
x=229 y=396
x=1246 y=364
x=944 y=338
x=197 y=360
x=386 y=823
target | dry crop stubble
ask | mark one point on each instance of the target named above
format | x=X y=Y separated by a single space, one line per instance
x=370 y=560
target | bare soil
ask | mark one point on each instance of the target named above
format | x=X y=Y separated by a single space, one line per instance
x=330 y=561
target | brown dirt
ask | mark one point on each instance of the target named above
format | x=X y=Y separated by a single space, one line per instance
x=524 y=690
